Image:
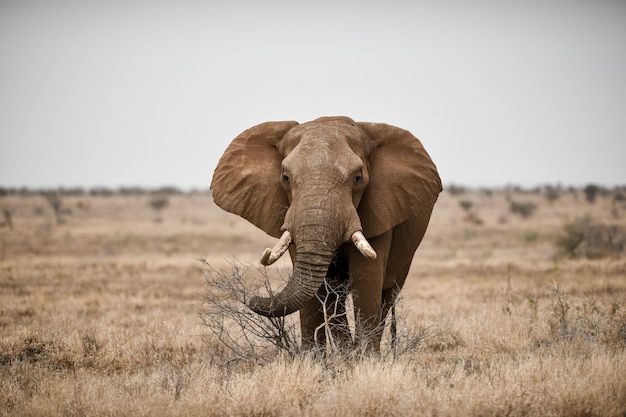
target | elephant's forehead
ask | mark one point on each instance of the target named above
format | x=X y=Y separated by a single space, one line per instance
x=320 y=150
x=324 y=139
x=326 y=159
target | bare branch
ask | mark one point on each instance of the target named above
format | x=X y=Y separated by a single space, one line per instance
x=253 y=338
x=249 y=336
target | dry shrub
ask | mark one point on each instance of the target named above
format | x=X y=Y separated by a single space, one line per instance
x=8 y=216
x=524 y=209
x=159 y=202
x=247 y=336
x=552 y=193
x=466 y=204
x=49 y=353
x=55 y=200
x=586 y=320
x=585 y=238
x=473 y=218
x=591 y=192
x=454 y=189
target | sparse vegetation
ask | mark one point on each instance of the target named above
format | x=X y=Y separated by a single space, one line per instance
x=591 y=192
x=245 y=334
x=8 y=217
x=531 y=236
x=471 y=216
x=523 y=209
x=96 y=321
x=159 y=202
x=255 y=339
x=552 y=193
x=455 y=189
x=466 y=204
x=583 y=237
x=56 y=202
x=575 y=320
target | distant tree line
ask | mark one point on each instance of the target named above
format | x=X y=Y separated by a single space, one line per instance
x=551 y=192
x=97 y=191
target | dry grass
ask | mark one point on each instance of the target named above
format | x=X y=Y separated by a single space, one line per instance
x=100 y=316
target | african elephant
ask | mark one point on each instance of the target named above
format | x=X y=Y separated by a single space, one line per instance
x=350 y=201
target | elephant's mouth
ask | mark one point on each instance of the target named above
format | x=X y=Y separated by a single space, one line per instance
x=306 y=278
x=270 y=256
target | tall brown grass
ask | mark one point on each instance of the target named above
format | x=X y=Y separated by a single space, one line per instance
x=101 y=316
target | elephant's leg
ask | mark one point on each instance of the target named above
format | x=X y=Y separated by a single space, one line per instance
x=406 y=238
x=311 y=317
x=366 y=281
x=390 y=296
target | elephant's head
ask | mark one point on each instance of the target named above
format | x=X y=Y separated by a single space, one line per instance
x=318 y=185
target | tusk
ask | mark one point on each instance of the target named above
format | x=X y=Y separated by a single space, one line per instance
x=363 y=245
x=272 y=255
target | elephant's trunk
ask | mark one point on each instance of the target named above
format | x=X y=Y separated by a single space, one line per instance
x=316 y=237
x=313 y=256
x=309 y=272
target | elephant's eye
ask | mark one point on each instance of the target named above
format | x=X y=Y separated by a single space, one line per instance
x=358 y=179
x=285 y=178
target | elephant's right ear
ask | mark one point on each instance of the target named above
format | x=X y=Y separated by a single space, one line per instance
x=246 y=180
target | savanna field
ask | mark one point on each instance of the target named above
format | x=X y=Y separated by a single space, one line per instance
x=515 y=305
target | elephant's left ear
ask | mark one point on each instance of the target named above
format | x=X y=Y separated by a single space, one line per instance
x=403 y=180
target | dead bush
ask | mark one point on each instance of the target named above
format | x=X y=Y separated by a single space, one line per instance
x=466 y=204
x=249 y=337
x=8 y=217
x=552 y=193
x=55 y=200
x=524 y=209
x=454 y=189
x=591 y=192
x=245 y=334
x=585 y=238
x=585 y=319
x=159 y=202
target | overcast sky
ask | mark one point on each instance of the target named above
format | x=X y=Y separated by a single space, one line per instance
x=150 y=93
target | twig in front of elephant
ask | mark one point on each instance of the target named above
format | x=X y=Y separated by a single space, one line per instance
x=330 y=317
x=250 y=337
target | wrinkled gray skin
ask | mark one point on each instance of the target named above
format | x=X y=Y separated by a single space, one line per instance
x=322 y=181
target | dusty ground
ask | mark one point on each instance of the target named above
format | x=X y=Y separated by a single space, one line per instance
x=99 y=315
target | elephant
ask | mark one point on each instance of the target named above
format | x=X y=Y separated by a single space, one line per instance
x=350 y=202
